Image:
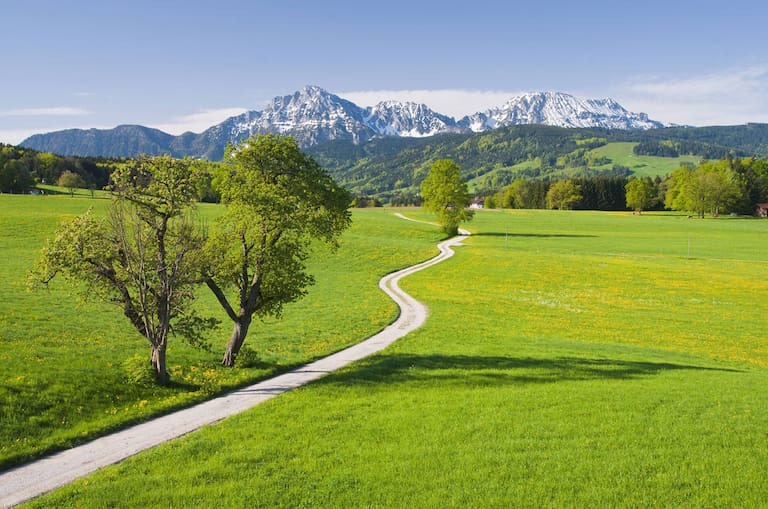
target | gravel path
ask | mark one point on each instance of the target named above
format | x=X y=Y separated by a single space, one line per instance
x=34 y=479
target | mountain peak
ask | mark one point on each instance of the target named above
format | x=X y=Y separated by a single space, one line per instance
x=313 y=115
x=558 y=109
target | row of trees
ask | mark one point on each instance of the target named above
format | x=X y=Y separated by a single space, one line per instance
x=716 y=187
x=21 y=169
x=149 y=255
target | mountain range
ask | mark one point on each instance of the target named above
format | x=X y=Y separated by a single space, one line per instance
x=314 y=116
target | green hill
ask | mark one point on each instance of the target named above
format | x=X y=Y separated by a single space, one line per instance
x=387 y=167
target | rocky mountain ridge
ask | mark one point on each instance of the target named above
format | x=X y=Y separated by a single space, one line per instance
x=313 y=116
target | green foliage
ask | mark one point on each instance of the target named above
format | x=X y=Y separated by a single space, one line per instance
x=446 y=194
x=361 y=202
x=711 y=187
x=601 y=193
x=278 y=200
x=639 y=194
x=14 y=177
x=670 y=148
x=47 y=168
x=71 y=181
x=524 y=194
x=494 y=159
x=563 y=195
x=143 y=257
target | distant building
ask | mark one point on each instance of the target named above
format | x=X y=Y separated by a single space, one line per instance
x=477 y=203
x=762 y=210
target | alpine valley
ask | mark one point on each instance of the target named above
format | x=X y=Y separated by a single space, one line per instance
x=314 y=116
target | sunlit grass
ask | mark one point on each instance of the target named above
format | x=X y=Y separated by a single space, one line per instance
x=622 y=153
x=61 y=360
x=569 y=360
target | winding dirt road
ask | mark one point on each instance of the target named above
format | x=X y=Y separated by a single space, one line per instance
x=34 y=479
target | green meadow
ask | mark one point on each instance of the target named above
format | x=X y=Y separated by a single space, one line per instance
x=622 y=153
x=62 y=374
x=619 y=153
x=570 y=359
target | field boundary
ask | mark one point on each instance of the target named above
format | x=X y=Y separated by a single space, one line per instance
x=23 y=483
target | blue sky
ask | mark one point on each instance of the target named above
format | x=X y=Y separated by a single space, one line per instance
x=186 y=65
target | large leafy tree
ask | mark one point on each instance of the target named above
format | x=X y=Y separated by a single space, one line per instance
x=712 y=187
x=143 y=256
x=445 y=193
x=277 y=200
x=71 y=181
x=563 y=195
x=15 y=176
x=639 y=194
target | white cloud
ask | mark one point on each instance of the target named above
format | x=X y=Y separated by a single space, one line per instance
x=452 y=102
x=59 y=111
x=197 y=122
x=733 y=96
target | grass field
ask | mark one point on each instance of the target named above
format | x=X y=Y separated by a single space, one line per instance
x=61 y=361
x=570 y=359
x=643 y=166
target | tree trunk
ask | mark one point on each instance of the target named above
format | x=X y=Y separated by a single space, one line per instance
x=239 y=331
x=158 y=364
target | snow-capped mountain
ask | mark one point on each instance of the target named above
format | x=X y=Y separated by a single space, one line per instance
x=392 y=118
x=558 y=109
x=310 y=115
x=313 y=115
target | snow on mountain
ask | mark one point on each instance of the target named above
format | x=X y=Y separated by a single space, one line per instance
x=558 y=109
x=408 y=119
x=313 y=115
x=310 y=115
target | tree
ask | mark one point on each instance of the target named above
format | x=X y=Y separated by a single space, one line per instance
x=639 y=194
x=278 y=200
x=15 y=177
x=446 y=194
x=712 y=186
x=563 y=195
x=143 y=256
x=71 y=181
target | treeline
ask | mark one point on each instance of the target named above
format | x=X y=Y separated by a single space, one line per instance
x=746 y=140
x=388 y=165
x=21 y=169
x=715 y=187
x=593 y=193
x=668 y=148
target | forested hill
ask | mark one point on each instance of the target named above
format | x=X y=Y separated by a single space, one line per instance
x=751 y=139
x=492 y=159
x=391 y=168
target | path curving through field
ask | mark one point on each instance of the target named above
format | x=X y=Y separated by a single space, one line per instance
x=28 y=481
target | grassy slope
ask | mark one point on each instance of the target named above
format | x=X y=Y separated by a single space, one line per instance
x=61 y=375
x=643 y=166
x=618 y=152
x=570 y=360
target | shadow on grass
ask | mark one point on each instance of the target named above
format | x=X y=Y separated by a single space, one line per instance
x=534 y=235
x=471 y=370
